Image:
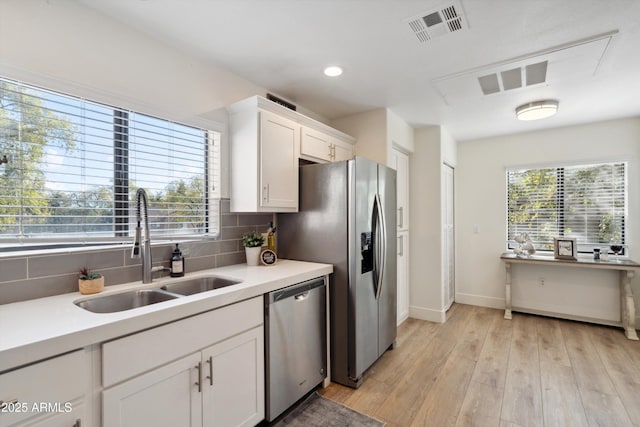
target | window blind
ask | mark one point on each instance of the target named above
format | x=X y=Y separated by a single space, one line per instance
x=74 y=167
x=586 y=202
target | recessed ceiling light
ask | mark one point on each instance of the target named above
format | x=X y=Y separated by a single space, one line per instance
x=332 y=71
x=537 y=110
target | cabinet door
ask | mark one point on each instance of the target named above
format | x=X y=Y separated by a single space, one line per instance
x=63 y=419
x=342 y=151
x=400 y=162
x=59 y=380
x=279 y=153
x=316 y=146
x=403 y=276
x=165 y=397
x=233 y=376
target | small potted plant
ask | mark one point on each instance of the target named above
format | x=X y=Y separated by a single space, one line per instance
x=90 y=282
x=252 y=243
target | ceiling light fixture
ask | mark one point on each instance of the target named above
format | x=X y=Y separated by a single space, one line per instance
x=332 y=71
x=537 y=110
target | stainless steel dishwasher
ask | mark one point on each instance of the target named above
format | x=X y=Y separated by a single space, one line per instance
x=296 y=343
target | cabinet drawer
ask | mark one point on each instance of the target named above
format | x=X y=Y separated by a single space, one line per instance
x=132 y=355
x=48 y=385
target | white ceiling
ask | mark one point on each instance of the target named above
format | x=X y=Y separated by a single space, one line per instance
x=283 y=45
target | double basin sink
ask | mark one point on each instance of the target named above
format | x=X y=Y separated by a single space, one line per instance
x=143 y=297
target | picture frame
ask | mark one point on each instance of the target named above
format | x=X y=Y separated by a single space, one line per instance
x=565 y=248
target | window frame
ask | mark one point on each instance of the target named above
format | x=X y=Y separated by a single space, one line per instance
x=582 y=248
x=214 y=134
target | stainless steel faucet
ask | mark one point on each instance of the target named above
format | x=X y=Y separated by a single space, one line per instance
x=142 y=214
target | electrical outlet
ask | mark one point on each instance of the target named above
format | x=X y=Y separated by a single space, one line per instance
x=541 y=281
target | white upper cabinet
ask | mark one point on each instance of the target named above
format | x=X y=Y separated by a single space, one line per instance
x=265 y=148
x=279 y=139
x=342 y=151
x=321 y=147
x=266 y=142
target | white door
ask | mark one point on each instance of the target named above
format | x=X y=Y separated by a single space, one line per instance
x=165 y=397
x=448 y=236
x=279 y=153
x=233 y=393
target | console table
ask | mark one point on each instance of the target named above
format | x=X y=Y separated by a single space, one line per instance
x=625 y=267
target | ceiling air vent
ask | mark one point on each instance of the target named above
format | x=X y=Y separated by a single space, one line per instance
x=436 y=23
x=531 y=74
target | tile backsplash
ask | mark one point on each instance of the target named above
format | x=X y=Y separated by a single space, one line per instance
x=28 y=277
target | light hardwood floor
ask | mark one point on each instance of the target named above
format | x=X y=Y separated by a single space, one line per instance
x=478 y=369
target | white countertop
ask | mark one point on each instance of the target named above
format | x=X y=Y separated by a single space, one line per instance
x=41 y=328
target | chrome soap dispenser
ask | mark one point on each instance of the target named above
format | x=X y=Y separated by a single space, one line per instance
x=177 y=263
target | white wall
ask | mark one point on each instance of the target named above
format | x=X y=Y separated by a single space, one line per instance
x=67 y=47
x=426 y=300
x=481 y=207
x=370 y=130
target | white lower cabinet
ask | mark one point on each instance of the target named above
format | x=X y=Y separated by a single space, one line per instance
x=233 y=385
x=219 y=386
x=206 y=370
x=167 y=396
x=64 y=419
x=51 y=393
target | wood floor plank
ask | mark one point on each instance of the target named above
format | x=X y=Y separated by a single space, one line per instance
x=443 y=401
x=481 y=406
x=604 y=410
x=522 y=402
x=371 y=394
x=472 y=339
x=590 y=373
x=491 y=368
x=561 y=398
x=551 y=344
x=624 y=374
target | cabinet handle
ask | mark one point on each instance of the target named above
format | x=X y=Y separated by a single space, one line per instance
x=401 y=245
x=333 y=151
x=330 y=151
x=210 y=377
x=400 y=217
x=199 y=382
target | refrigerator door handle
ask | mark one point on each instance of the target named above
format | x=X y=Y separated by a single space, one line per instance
x=380 y=248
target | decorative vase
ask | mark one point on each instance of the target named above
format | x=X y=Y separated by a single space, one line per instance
x=92 y=286
x=253 y=255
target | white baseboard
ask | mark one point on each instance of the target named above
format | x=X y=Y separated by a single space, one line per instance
x=480 y=300
x=402 y=317
x=422 y=313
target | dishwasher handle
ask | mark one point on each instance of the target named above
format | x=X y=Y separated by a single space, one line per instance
x=303 y=296
x=297 y=291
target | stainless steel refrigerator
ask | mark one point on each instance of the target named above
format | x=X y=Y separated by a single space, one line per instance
x=347 y=217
